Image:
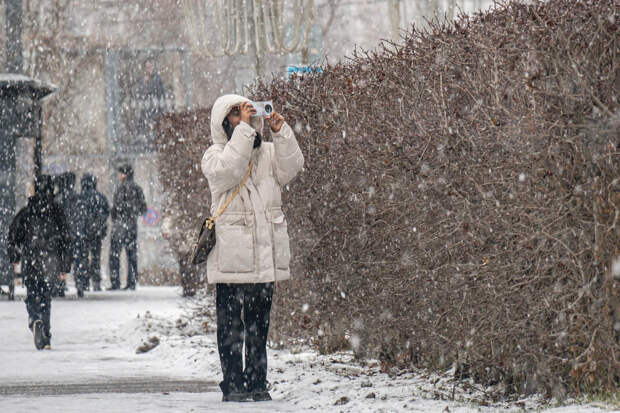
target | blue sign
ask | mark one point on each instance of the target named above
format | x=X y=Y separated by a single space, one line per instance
x=152 y=217
x=301 y=70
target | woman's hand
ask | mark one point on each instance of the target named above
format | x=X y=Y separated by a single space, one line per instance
x=246 y=111
x=275 y=122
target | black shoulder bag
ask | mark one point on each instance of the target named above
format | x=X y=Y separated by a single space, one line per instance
x=206 y=237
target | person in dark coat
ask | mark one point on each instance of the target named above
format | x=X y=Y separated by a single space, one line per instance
x=68 y=200
x=93 y=215
x=127 y=206
x=40 y=240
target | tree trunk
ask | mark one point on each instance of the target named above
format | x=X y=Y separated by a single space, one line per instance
x=14 y=28
x=190 y=279
x=394 y=13
x=254 y=48
x=433 y=6
x=451 y=10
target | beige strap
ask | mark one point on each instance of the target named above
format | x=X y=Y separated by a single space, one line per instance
x=229 y=200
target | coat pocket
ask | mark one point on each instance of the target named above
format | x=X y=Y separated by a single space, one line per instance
x=281 y=247
x=235 y=248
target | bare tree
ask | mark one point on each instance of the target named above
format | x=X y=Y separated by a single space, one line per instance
x=451 y=9
x=249 y=27
x=394 y=13
x=332 y=7
x=53 y=55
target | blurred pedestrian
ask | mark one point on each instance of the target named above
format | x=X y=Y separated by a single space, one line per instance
x=188 y=273
x=128 y=205
x=68 y=200
x=252 y=248
x=40 y=242
x=93 y=215
x=151 y=96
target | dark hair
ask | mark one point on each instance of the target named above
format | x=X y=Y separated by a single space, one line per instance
x=229 y=132
x=125 y=169
x=227 y=128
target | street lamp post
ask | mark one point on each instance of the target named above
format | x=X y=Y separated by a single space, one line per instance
x=20 y=116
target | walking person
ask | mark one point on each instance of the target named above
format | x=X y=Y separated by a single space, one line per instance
x=252 y=248
x=93 y=215
x=127 y=206
x=39 y=239
x=67 y=198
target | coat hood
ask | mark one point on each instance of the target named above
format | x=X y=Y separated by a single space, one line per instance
x=68 y=181
x=44 y=187
x=43 y=192
x=88 y=182
x=220 y=110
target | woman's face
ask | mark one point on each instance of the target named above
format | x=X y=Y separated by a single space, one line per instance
x=234 y=116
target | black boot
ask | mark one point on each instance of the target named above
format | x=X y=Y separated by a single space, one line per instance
x=230 y=394
x=39 y=335
x=237 y=397
x=261 y=396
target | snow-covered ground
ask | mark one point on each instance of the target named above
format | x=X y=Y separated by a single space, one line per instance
x=93 y=367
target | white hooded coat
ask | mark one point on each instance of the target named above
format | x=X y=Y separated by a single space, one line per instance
x=252 y=243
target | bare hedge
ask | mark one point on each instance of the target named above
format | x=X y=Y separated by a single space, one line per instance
x=460 y=200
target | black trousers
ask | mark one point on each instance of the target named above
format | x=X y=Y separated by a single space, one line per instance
x=124 y=238
x=40 y=272
x=39 y=302
x=232 y=331
x=59 y=286
x=89 y=263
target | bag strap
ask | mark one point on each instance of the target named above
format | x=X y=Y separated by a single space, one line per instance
x=211 y=220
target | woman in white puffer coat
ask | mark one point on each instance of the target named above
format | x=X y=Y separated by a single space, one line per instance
x=252 y=245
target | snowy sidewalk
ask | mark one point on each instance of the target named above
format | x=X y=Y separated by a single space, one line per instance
x=92 y=338
x=93 y=367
